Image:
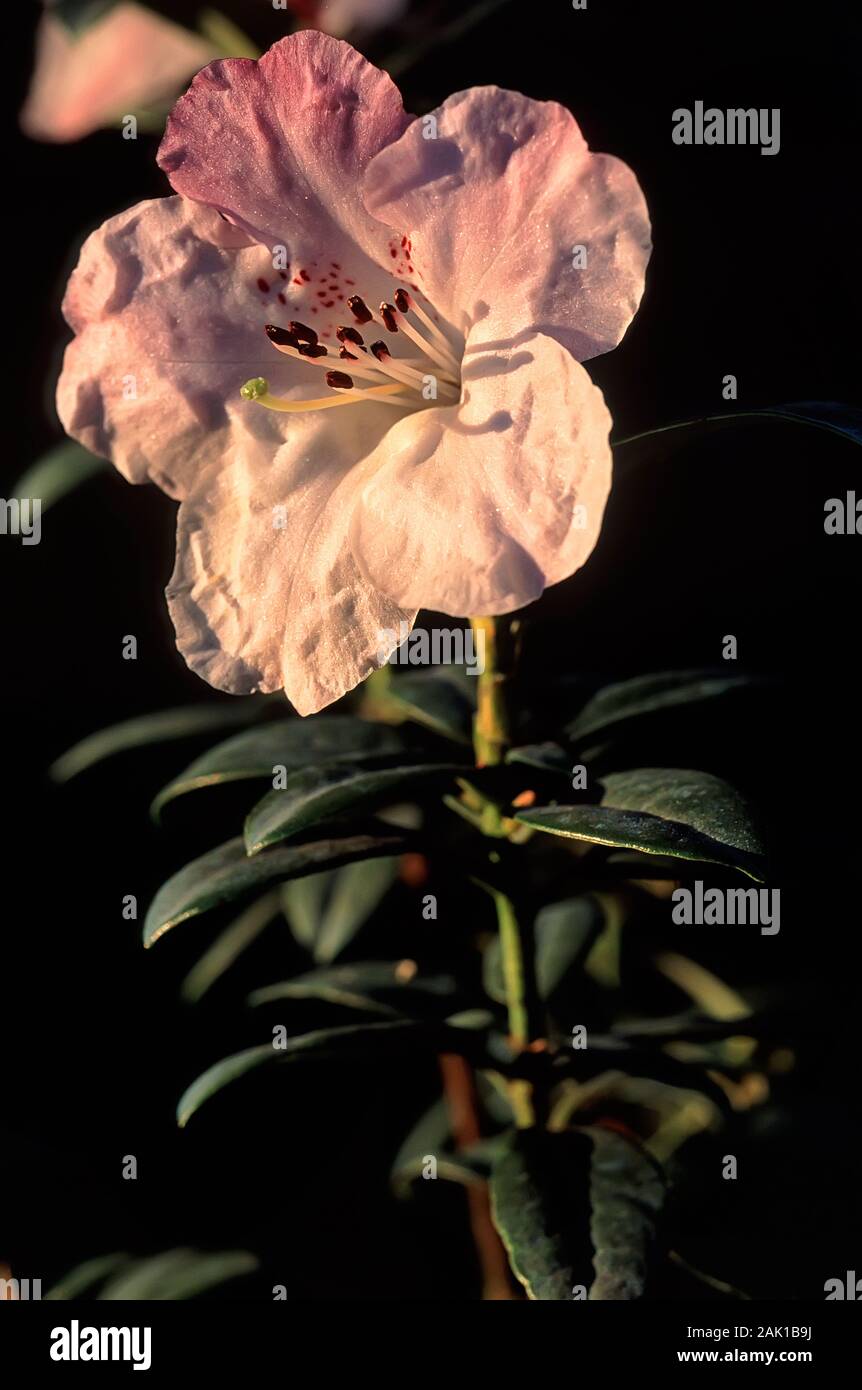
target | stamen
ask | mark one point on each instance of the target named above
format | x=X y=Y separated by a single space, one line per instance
x=446 y=361
x=339 y=379
x=405 y=301
x=257 y=390
x=313 y=350
x=280 y=336
x=303 y=333
x=409 y=375
x=359 y=309
x=345 y=334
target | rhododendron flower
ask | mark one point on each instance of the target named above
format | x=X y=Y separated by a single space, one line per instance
x=129 y=59
x=403 y=305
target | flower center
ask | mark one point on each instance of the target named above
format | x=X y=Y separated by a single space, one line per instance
x=408 y=383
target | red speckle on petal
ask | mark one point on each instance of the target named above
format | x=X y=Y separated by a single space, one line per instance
x=281 y=298
x=335 y=265
x=328 y=303
x=350 y=282
x=296 y=280
x=321 y=294
x=393 y=253
x=263 y=285
x=305 y=275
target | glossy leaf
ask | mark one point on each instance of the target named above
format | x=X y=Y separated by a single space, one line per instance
x=577 y=1209
x=355 y=1041
x=315 y=794
x=663 y=811
x=652 y=694
x=289 y=743
x=226 y=873
x=162 y=727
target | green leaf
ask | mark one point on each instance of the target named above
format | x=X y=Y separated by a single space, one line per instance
x=663 y=690
x=229 y=946
x=438 y=700
x=577 y=1209
x=359 y=1040
x=545 y=757
x=289 y=743
x=315 y=794
x=303 y=901
x=383 y=987
x=226 y=873
x=177 y=1274
x=563 y=934
x=845 y=421
x=355 y=893
x=161 y=727
x=470 y=1166
x=85 y=1275
x=664 y=811
x=59 y=472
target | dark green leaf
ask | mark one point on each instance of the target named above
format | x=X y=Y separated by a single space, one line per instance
x=289 y=743
x=226 y=873
x=664 y=811
x=577 y=1209
x=315 y=794
x=563 y=934
x=439 y=701
x=59 y=472
x=177 y=1274
x=85 y=1275
x=545 y=757
x=844 y=421
x=355 y=1041
x=162 y=727
x=663 y=690
x=470 y=1166
x=355 y=892
x=383 y=987
x=230 y=944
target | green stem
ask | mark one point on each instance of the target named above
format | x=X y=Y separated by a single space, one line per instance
x=514 y=963
x=491 y=723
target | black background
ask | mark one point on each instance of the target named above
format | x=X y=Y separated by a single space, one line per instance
x=755 y=272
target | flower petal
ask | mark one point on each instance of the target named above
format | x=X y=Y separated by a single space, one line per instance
x=496 y=203
x=131 y=58
x=169 y=303
x=476 y=508
x=266 y=593
x=279 y=145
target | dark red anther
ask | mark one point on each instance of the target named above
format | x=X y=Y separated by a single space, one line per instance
x=345 y=334
x=387 y=313
x=359 y=309
x=281 y=336
x=350 y=356
x=312 y=350
x=402 y=300
x=340 y=380
x=299 y=330
x=380 y=350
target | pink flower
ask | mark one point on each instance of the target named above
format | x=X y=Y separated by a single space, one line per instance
x=308 y=201
x=129 y=59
